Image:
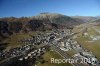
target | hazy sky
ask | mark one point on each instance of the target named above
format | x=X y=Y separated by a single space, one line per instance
x=19 y=8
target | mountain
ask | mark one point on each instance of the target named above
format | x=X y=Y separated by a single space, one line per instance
x=43 y=21
x=57 y=19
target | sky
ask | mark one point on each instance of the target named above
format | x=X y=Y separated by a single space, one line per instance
x=28 y=8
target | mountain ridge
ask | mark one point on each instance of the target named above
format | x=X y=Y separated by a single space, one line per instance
x=43 y=21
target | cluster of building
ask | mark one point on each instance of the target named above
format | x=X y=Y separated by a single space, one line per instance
x=69 y=44
x=81 y=53
x=19 y=51
x=95 y=37
x=26 y=48
x=61 y=38
x=87 y=58
x=14 y=52
x=38 y=39
x=35 y=53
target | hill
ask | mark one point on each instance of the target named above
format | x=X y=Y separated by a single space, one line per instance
x=98 y=20
x=85 y=18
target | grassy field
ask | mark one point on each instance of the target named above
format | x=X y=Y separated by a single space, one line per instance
x=98 y=27
x=71 y=52
x=92 y=46
x=13 y=39
x=52 y=54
